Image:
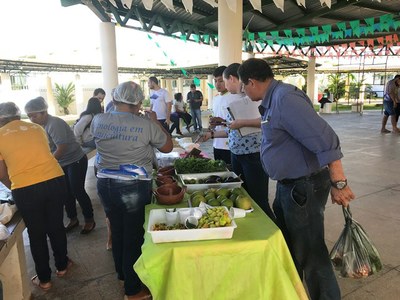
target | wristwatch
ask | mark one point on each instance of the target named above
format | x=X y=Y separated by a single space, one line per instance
x=340 y=185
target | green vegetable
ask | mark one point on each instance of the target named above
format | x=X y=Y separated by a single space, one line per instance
x=198 y=165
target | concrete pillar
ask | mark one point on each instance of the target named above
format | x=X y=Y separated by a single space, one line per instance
x=312 y=86
x=180 y=86
x=51 y=102
x=109 y=65
x=203 y=89
x=5 y=88
x=210 y=91
x=230 y=33
x=79 y=100
x=168 y=87
x=162 y=83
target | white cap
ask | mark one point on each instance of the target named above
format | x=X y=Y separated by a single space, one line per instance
x=128 y=92
x=8 y=110
x=36 y=105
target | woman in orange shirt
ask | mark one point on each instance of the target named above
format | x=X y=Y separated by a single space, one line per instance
x=38 y=188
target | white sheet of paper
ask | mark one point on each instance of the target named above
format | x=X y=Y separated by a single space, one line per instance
x=246 y=109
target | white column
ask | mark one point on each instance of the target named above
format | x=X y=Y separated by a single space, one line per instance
x=162 y=83
x=109 y=65
x=51 y=102
x=203 y=89
x=210 y=91
x=312 y=86
x=168 y=87
x=230 y=33
x=80 y=102
x=5 y=88
x=180 y=86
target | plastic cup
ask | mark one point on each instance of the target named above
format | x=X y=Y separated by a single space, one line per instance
x=237 y=212
x=183 y=214
x=191 y=222
x=171 y=217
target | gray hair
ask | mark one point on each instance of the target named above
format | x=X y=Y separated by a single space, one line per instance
x=128 y=92
x=36 y=105
x=9 y=110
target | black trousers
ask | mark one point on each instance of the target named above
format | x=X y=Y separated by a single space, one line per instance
x=75 y=175
x=224 y=155
x=41 y=207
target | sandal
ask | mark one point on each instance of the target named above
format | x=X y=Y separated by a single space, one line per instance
x=44 y=286
x=88 y=227
x=71 y=225
x=63 y=272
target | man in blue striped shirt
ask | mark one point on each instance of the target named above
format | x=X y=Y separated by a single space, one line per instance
x=302 y=152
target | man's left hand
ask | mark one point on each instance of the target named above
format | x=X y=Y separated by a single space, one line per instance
x=342 y=197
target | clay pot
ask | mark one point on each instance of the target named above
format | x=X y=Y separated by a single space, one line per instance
x=169 y=194
x=166 y=179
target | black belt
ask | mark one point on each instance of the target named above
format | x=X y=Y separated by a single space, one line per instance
x=302 y=178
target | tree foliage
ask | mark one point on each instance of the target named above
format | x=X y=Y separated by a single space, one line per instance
x=65 y=96
x=337 y=85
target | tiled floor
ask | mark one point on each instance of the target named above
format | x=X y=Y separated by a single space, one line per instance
x=372 y=165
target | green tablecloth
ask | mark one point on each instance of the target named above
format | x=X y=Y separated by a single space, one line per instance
x=254 y=264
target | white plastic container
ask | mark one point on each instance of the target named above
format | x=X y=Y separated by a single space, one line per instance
x=168 y=159
x=205 y=186
x=166 y=236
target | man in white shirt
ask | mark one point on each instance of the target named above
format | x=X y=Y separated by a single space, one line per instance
x=160 y=102
x=218 y=121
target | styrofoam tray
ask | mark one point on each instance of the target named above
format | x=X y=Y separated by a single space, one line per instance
x=166 y=236
x=204 y=186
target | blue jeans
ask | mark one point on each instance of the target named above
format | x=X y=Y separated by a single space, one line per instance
x=255 y=180
x=124 y=203
x=175 y=123
x=299 y=208
x=75 y=175
x=164 y=124
x=41 y=207
x=196 y=115
x=389 y=109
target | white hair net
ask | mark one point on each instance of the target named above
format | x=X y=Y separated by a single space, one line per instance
x=128 y=92
x=9 y=110
x=36 y=105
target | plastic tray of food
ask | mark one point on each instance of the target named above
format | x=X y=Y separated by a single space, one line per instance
x=167 y=159
x=202 y=181
x=166 y=236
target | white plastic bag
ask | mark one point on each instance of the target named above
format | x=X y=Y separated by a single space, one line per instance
x=7 y=211
x=4 y=233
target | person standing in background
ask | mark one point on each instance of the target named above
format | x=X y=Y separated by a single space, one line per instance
x=124 y=200
x=245 y=150
x=100 y=94
x=218 y=120
x=302 y=153
x=160 y=102
x=72 y=159
x=390 y=103
x=179 y=112
x=82 y=125
x=195 y=100
x=39 y=190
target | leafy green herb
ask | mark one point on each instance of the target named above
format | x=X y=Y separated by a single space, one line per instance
x=198 y=165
